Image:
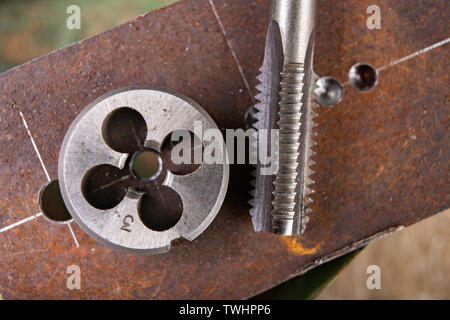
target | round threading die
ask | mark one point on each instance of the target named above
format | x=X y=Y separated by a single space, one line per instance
x=85 y=147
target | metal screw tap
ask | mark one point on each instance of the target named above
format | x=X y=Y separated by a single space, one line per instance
x=281 y=202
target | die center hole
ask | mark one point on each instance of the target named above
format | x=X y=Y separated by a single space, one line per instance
x=146 y=165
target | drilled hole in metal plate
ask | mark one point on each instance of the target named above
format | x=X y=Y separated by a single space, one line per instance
x=161 y=209
x=363 y=77
x=52 y=205
x=250 y=117
x=146 y=165
x=328 y=91
x=124 y=130
x=188 y=148
x=105 y=186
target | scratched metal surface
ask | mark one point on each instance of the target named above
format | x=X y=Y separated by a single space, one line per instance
x=382 y=162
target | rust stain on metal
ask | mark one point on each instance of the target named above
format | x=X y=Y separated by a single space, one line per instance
x=371 y=175
x=294 y=245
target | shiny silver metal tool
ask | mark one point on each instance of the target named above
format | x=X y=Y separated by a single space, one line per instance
x=281 y=201
x=121 y=227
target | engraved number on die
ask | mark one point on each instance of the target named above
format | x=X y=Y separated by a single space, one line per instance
x=127 y=221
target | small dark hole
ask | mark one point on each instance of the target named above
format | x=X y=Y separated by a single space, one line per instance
x=363 y=77
x=105 y=186
x=52 y=204
x=125 y=130
x=250 y=117
x=161 y=209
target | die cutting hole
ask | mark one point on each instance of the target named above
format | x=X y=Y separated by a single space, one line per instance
x=363 y=77
x=146 y=165
x=52 y=205
x=184 y=155
x=124 y=130
x=160 y=210
x=105 y=186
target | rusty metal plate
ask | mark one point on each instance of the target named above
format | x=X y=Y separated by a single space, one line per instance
x=382 y=162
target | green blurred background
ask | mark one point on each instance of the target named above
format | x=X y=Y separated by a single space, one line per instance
x=414 y=262
x=32 y=28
